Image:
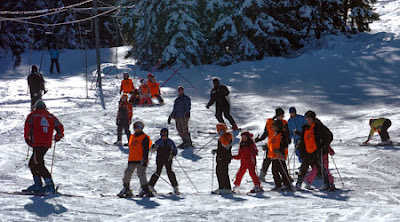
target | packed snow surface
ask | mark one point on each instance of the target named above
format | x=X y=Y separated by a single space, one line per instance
x=346 y=81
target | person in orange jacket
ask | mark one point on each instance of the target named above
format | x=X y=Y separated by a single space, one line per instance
x=38 y=133
x=155 y=89
x=224 y=156
x=277 y=152
x=139 y=145
x=127 y=85
x=247 y=156
x=124 y=118
x=145 y=95
x=269 y=132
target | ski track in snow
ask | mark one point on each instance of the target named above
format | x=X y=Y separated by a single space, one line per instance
x=346 y=81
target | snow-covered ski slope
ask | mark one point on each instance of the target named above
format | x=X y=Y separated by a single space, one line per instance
x=346 y=81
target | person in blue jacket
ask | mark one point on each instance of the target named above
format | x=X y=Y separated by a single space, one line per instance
x=295 y=124
x=181 y=114
x=166 y=151
x=54 y=59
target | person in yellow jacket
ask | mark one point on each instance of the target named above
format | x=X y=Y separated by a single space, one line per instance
x=139 y=145
x=381 y=126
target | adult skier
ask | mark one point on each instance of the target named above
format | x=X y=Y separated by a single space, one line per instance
x=295 y=125
x=224 y=156
x=54 y=56
x=38 y=133
x=139 y=145
x=269 y=132
x=124 y=118
x=277 y=152
x=247 y=156
x=380 y=125
x=36 y=86
x=181 y=114
x=166 y=151
x=219 y=95
x=314 y=143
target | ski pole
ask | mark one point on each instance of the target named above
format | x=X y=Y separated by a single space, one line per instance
x=172 y=75
x=52 y=161
x=154 y=172
x=286 y=173
x=212 y=174
x=322 y=167
x=204 y=146
x=341 y=179
x=27 y=154
x=186 y=175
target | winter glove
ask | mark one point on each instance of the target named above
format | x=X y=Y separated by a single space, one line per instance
x=169 y=119
x=214 y=151
x=187 y=115
x=29 y=142
x=207 y=106
x=171 y=156
x=56 y=138
x=265 y=147
x=257 y=139
x=153 y=148
x=44 y=91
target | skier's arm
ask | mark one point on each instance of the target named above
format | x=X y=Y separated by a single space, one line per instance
x=28 y=130
x=59 y=129
x=211 y=102
x=264 y=135
x=145 y=147
x=371 y=133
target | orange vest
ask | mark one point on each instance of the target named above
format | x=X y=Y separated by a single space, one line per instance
x=135 y=147
x=144 y=89
x=271 y=129
x=274 y=143
x=127 y=86
x=154 y=88
x=226 y=139
x=309 y=139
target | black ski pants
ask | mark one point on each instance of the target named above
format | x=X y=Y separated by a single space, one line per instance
x=383 y=133
x=223 y=175
x=123 y=125
x=170 y=173
x=226 y=111
x=35 y=97
x=265 y=165
x=57 y=65
x=36 y=163
x=280 y=172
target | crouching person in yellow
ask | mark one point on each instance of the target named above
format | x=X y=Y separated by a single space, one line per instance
x=139 y=145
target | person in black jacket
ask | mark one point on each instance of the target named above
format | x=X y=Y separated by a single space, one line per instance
x=224 y=156
x=315 y=140
x=36 y=86
x=219 y=95
x=166 y=151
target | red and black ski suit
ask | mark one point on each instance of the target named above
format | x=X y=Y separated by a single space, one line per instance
x=247 y=155
x=38 y=133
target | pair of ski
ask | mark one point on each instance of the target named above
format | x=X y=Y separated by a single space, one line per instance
x=41 y=194
x=138 y=196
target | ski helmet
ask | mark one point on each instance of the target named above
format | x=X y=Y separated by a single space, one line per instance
x=164 y=131
x=40 y=104
x=138 y=124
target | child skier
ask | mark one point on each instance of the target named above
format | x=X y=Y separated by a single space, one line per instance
x=381 y=126
x=277 y=152
x=139 y=145
x=124 y=118
x=145 y=95
x=224 y=156
x=247 y=156
x=166 y=151
x=155 y=89
x=126 y=85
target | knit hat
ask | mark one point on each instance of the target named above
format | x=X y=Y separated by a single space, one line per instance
x=310 y=114
x=292 y=110
x=279 y=111
x=215 y=80
x=138 y=124
x=40 y=104
x=164 y=131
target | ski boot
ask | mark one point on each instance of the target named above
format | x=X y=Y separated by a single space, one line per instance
x=176 y=191
x=36 y=187
x=125 y=192
x=236 y=189
x=151 y=188
x=145 y=192
x=299 y=182
x=332 y=187
x=49 y=187
x=308 y=185
x=256 y=189
x=118 y=143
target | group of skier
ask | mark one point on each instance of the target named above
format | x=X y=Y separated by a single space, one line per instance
x=311 y=139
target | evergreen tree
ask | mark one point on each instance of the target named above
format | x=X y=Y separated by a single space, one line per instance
x=361 y=14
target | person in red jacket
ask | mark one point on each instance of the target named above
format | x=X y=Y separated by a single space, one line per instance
x=38 y=133
x=247 y=156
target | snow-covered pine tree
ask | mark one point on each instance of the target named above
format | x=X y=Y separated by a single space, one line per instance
x=361 y=14
x=184 y=36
